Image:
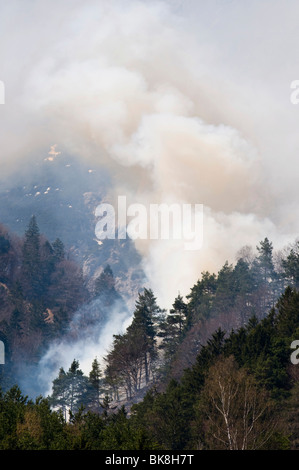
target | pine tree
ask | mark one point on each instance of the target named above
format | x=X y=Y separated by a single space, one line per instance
x=125 y=362
x=31 y=263
x=4 y=245
x=244 y=288
x=69 y=389
x=47 y=266
x=291 y=266
x=58 y=250
x=265 y=259
x=104 y=287
x=105 y=282
x=178 y=313
x=76 y=386
x=59 y=397
x=201 y=298
x=171 y=328
x=266 y=277
x=143 y=326
x=95 y=380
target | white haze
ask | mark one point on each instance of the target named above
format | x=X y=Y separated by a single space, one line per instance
x=81 y=343
x=184 y=101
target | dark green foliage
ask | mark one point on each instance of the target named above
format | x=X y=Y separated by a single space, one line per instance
x=94 y=386
x=70 y=390
x=105 y=282
x=144 y=318
x=4 y=245
x=28 y=425
x=58 y=250
x=261 y=349
x=172 y=327
x=120 y=434
x=164 y=416
x=241 y=290
x=25 y=425
x=193 y=378
x=132 y=356
x=39 y=291
x=291 y=266
x=166 y=420
x=201 y=298
x=246 y=314
x=31 y=262
x=264 y=260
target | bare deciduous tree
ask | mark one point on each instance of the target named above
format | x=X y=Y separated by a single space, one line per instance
x=237 y=414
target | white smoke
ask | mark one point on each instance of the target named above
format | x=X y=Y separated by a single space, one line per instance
x=185 y=102
x=87 y=338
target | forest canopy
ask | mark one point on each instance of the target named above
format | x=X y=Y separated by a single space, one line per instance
x=213 y=372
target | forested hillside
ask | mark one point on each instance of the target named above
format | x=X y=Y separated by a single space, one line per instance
x=41 y=288
x=214 y=372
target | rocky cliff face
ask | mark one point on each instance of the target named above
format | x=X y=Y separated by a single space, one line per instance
x=63 y=194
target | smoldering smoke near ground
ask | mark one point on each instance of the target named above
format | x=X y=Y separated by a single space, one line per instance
x=89 y=336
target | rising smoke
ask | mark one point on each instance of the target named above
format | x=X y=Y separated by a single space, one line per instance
x=183 y=102
x=89 y=336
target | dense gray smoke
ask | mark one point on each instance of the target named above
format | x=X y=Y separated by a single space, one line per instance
x=183 y=102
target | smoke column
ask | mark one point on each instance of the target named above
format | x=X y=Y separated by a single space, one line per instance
x=183 y=102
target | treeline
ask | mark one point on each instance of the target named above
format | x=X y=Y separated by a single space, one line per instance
x=241 y=393
x=33 y=425
x=159 y=345
x=131 y=365
x=228 y=299
x=212 y=373
x=41 y=288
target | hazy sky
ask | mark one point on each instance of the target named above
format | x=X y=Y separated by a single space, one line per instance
x=185 y=101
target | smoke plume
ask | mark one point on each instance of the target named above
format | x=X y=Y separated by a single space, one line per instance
x=183 y=102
